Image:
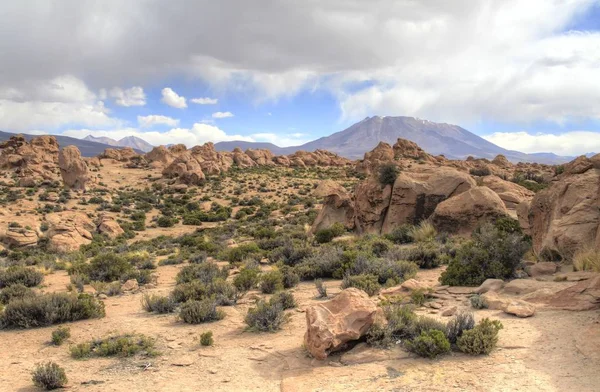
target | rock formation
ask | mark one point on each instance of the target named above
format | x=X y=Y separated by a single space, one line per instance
x=73 y=169
x=68 y=230
x=30 y=162
x=337 y=206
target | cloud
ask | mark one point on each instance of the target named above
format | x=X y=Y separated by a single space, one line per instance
x=222 y=114
x=205 y=101
x=149 y=121
x=173 y=99
x=133 y=96
x=568 y=143
x=295 y=139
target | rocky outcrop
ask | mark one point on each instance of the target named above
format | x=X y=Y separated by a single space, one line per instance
x=186 y=169
x=73 y=169
x=119 y=154
x=513 y=306
x=19 y=237
x=371 y=204
x=261 y=157
x=337 y=206
x=331 y=325
x=565 y=216
x=160 y=154
x=463 y=213
x=109 y=226
x=31 y=162
x=384 y=153
x=523 y=216
x=584 y=295
x=409 y=150
x=241 y=159
x=68 y=230
x=511 y=194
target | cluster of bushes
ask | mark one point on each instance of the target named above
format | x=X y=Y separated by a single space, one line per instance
x=269 y=316
x=430 y=338
x=28 y=277
x=324 y=236
x=494 y=251
x=110 y=266
x=119 y=345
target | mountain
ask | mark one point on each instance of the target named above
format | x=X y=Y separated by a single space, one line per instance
x=129 y=141
x=88 y=148
x=230 y=146
x=435 y=138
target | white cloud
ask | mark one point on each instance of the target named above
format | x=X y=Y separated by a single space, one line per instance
x=205 y=101
x=222 y=114
x=568 y=143
x=133 y=96
x=173 y=99
x=149 y=121
x=294 y=139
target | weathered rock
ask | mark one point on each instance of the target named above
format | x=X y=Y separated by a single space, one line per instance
x=584 y=295
x=186 y=169
x=370 y=206
x=337 y=206
x=332 y=324
x=405 y=288
x=130 y=285
x=451 y=311
x=463 y=213
x=68 y=230
x=34 y=160
x=241 y=159
x=512 y=306
x=523 y=216
x=19 y=237
x=511 y=194
x=521 y=286
x=73 y=169
x=541 y=269
x=109 y=227
x=490 y=285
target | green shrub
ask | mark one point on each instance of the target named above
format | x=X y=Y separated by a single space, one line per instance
x=290 y=277
x=165 y=221
x=401 y=234
x=242 y=252
x=324 y=236
x=196 y=312
x=271 y=282
x=206 y=339
x=285 y=299
x=60 y=334
x=28 y=277
x=478 y=302
x=120 y=345
x=480 y=172
x=462 y=322
x=247 y=279
x=321 y=289
x=365 y=282
x=108 y=267
x=424 y=232
x=482 y=339
x=158 y=303
x=49 y=376
x=205 y=273
x=15 y=291
x=265 y=317
x=429 y=344
x=194 y=290
x=326 y=263
x=417 y=297
x=388 y=174
x=491 y=253
x=223 y=292
x=49 y=309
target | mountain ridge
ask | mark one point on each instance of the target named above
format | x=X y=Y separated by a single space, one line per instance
x=127 y=141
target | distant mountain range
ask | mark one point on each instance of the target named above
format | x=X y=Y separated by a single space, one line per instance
x=449 y=140
x=128 y=141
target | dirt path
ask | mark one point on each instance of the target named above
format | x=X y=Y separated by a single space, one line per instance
x=553 y=351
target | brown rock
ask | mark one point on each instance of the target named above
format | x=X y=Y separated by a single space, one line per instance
x=73 y=169
x=490 y=285
x=337 y=206
x=511 y=194
x=109 y=227
x=186 y=169
x=584 y=295
x=370 y=206
x=68 y=230
x=541 y=269
x=130 y=285
x=332 y=324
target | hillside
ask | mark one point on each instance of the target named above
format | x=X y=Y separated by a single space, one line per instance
x=129 y=141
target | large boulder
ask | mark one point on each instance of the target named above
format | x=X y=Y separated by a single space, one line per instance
x=463 y=213
x=73 y=169
x=161 y=155
x=30 y=162
x=331 y=325
x=241 y=159
x=381 y=154
x=511 y=194
x=261 y=157
x=19 y=237
x=109 y=227
x=371 y=204
x=68 y=230
x=186 y=169
x=413 y=201
x=337 y=206
x=565 y=216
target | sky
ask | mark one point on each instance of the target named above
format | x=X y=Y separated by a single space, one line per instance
x=522 y=74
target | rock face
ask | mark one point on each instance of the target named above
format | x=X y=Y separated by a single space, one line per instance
x=68 y=230
x=186 y=169
x=109 y=227
x=372 y=201
x=30 y=162
x=119 y=154
x=73 y=169
x=337 y=206
x=565 y=217
x=584 y=295
x=511 y=194
x=513 y=306
x=332 y=324
x=463 y=213
x=19 y=237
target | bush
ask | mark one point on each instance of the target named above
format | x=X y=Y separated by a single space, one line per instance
x=194 y=290
x=463 y=321
x=196 y=312
x=49 y=376
x=271 y=282
x=365 y=282
x=205 y=273
x=28 y=277
x=429 y=344
x=324 y=236
x=401 y=234
x=265 y=317
x=327 y=263
x=480 y=172
x=285 y=299
x=290 y=277
x=15 y=291
x=247 y=279
x=423 y=232
x=426 y=255
x=417 y=297
x=388 y=174
x=49 y=309
x=242 y=252
x=478 y=302
x=321 y=289
x=492 y=253
x=108 y=267
x=112 y=346
x=165 y=221
x=158 y=304
x=482 y=339
x=223 y=292
x=206 y=339
x=60 y=334
x=587 y=260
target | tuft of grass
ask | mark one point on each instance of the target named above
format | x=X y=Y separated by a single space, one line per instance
x=125 y=345
x=424 y=232
x=265 y=317
x=158 y=304
x=587 y=260
x=321 y=289
x=196 y=312
x=206 y=339
x=60 y=334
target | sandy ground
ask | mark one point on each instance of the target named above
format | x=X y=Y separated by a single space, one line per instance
x=552 y=351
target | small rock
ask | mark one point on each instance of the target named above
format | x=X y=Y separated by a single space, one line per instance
x=490 y=285
x=212 y=371
x=130 y=285
x=450 y=311
x=183 y=361
x=541 y=269
x=520 y=309
x=433 y=305
x=102 y=296
x=461 y=290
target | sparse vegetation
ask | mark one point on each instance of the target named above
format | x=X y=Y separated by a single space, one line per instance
x=60 y=334
x=206 y=339
x=265 y=317
x=587 y=260
x=482 y=339
x=125 y=345
x=197 y=312
x=49 y=376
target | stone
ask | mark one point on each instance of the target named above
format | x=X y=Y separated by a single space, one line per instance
x=490 y=285
x=521 y=286
x=542 y=269
x=450 y=311
x=332 y=324
x=130 y=285
x=584 y=295
x=405 y=288
x=109 y=227
x=337 y=206
x=73 y=169
x=511 y=306
x=68 y=230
